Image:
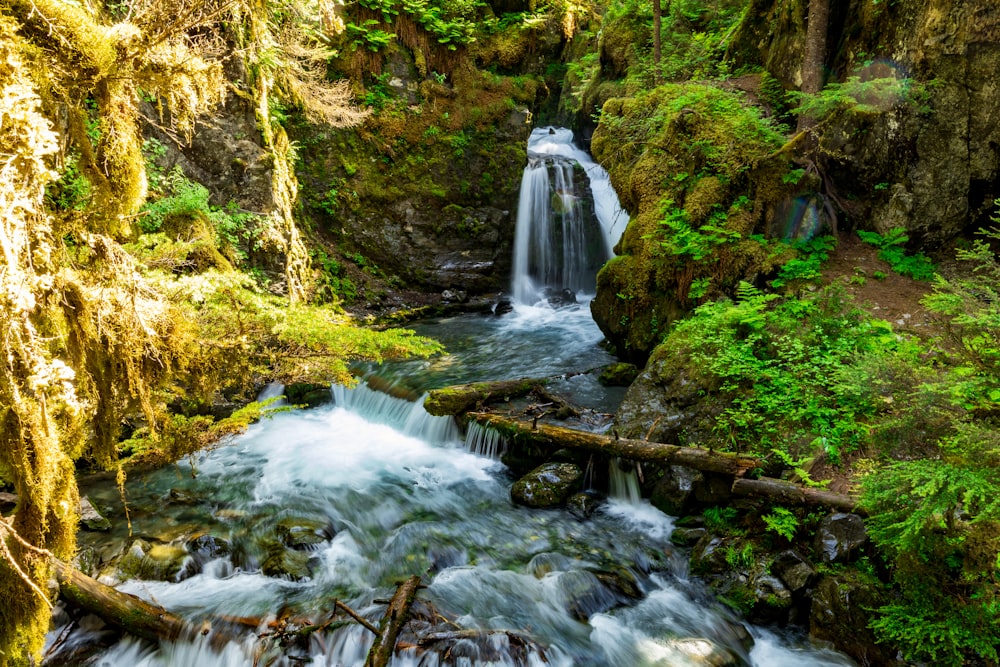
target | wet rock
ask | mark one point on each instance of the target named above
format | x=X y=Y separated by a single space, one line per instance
x=91 y=518
x=286 y=564
x=503 y=306
x=674 y=492
x=585 y=594
x=794 y=570
x=696 y=650
x=840 y=537
x=583 y=505
x=840 y=613
x=454 y=296
x=772 y=599
x=441 y=558
x=303 y=534
x=618 y=375
x=308 y=394
x=560 y=297
x=548 y=485
x=155 y=562
x=179 y=497
x=686 y=537
x=709 y=556
x=206 y=547
x=545 y=563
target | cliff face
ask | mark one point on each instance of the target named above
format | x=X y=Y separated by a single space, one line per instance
x=936 y=169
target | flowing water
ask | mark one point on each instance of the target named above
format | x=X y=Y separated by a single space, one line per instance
x=344 y=501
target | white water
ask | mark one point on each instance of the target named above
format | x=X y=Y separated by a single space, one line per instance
x=555 y=244
x=405 y=504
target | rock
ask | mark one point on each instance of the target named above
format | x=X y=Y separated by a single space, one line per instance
x=673 y=494
x=840 y=612
x=303 y=534
x=90 y=518
x=503 y=306
x=179 y=497
x=691 y=650
x=454 y=296
x=8 y=501
x=840 y=537
x=583 y=505
x=585 y=594
x=286 y=563
x=708 y=555
x=548 y=485
x=714 y=489
x=772 y=599
x=308 y=394
x=794 y=570
x=686 y=537
x=156 y=562
x=545 y=563
x=206 y=547
x=559 y=297
x=618 y=375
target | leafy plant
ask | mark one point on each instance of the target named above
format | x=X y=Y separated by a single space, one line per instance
x=720 y=519
x=808 y=261
x=891 y=250
x=782 y=521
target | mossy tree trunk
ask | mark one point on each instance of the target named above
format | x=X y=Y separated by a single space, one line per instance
x=814 y=56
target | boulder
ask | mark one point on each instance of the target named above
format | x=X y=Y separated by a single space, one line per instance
x=153 y=561
x=91 y=518
x=548 y=485
x=840 y=537
x=583 y=505
x=585 y=594
x=794 y=570
x=673 y=493
x=687 y=537
x=840 y=612
x=621 y=374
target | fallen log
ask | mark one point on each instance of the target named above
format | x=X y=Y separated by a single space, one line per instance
x=127 y=612
x=794 y=494
x=705 y=460
x=454 y=400
x=393 y=619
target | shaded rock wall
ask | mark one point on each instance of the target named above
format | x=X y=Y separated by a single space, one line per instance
x=939 y=170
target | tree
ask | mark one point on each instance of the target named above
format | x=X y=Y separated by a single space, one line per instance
x=814 y=56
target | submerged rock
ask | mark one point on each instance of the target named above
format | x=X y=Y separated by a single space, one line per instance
x=548 y=485
x=156 y=562
x=583 y=505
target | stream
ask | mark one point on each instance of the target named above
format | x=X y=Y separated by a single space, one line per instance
x=344 y=501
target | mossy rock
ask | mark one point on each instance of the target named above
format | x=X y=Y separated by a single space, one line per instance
x=618 y=375
x=286 y=563
x=152 y=561
x=308 y=394
x=548 y=485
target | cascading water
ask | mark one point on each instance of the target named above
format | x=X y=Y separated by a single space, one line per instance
x=343 y=501
x=567 y=221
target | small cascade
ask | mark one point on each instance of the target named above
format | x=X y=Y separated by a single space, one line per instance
x=567 y=222
x=408 y=417
x=483 y=441
x=273 y=390
x=623 y=485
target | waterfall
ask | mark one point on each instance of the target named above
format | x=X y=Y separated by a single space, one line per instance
x=484 y=441
x=408 y=417
x=623 y=485
x=564 y=233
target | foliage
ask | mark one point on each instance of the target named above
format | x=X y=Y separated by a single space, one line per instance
x=451 y=24
x=680 y=238
x=781 y=363
x=891 y=250
x=782 y=521
x=720 y=519
x=807 y=262
x=937 y=519
x=858 y=95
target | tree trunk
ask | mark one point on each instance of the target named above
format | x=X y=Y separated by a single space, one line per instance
x=636 y=450
x=394 y=618
x=792 y=494
x=464 y=397
x=657 y=16
x=127 y=612
x=814 y=56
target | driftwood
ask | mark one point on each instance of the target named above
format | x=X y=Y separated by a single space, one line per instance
x=705 y=460
x=794 y=494
x=127 y=612
x=455 y=400
x=395 y=616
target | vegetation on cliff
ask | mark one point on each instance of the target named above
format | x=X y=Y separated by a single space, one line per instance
x=93 y=335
